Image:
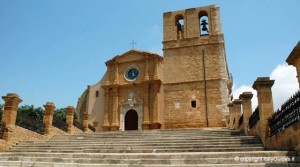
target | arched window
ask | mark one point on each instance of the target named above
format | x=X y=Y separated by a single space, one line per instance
x=203 y=23
x=97 y=93
x=179 y=23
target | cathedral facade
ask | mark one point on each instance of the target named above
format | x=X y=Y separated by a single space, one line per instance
x=189 y=87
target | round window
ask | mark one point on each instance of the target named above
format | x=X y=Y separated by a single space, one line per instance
x=132 y=74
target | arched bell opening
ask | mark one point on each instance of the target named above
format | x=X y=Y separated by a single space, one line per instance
x=204 y=23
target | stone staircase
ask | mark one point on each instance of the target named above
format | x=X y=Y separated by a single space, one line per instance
x=157 y=148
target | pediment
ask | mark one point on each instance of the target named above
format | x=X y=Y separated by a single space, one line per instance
x=132 y=55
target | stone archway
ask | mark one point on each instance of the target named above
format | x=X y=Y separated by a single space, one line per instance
x=138 y=109
x=131 y=120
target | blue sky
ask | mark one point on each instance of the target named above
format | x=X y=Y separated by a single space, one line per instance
x=51 y=50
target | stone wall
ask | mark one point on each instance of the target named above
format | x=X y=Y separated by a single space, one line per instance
x=22 y=134
x=195 y=69
x=287 y=139
x=141 y=94
x=14 y=134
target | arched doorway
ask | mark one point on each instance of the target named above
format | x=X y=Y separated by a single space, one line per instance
x=131 y=120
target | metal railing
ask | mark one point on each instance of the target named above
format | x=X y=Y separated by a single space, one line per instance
x=288 y=114
x=2 y=129
x=78 y=125
x=254 y=118
x=59 y=123
x=92 y=128
x=241 y=120
x=28 y=122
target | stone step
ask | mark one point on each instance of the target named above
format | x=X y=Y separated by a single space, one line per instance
x=158 y=148
x=165 y=150
x=151 y=133
x=102 y=146
x=133 y=144
x=189 y=161
x=154 y=143
x=151 y=139
x=154 y=155
x=181 y=142
x=49 y=164
x=74 y=147
x=154 y=135
x=204 y=130
x=159 y=134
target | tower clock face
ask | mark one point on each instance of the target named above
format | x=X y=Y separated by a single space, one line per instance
x=132 y=74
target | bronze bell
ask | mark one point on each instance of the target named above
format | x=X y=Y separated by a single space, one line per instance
x=204 y=23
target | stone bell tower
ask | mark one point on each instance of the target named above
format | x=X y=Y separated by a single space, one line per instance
x=197 y=83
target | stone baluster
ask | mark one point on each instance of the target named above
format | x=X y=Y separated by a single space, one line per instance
x=70 y=118
x=48 y=117
x=95 y=125
x=237 y=112
x=85 y=122
x=9 y=114
x=231 y=115
x=247 y=110
x=265 y=104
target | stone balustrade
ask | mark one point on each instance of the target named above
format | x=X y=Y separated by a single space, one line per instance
x=289 y=138
x=13 y=133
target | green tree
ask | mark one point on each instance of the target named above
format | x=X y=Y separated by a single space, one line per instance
x=36 y=113
x=1 y=110
x=61 y=113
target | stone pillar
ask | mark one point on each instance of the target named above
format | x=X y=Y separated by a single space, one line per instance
x=146 y=75
x=115 y=110
x=107 y=82
x=294 y=59
x=146 y=122
x=247 y=110
x=9 y=114
x=155 y=116
x=116 y=69
x=231 y=115
x=105 y=125
x=48 y=117
x=85 y=122
x=95 y=125
x=70 y=118
x=156 y=63
x=237 y=112
x=265 y=105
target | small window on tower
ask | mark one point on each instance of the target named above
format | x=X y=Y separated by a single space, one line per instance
x=193 y=103
x=97 y=93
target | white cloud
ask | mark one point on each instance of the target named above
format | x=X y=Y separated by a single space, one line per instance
x=245 y=88
x=285 y=85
